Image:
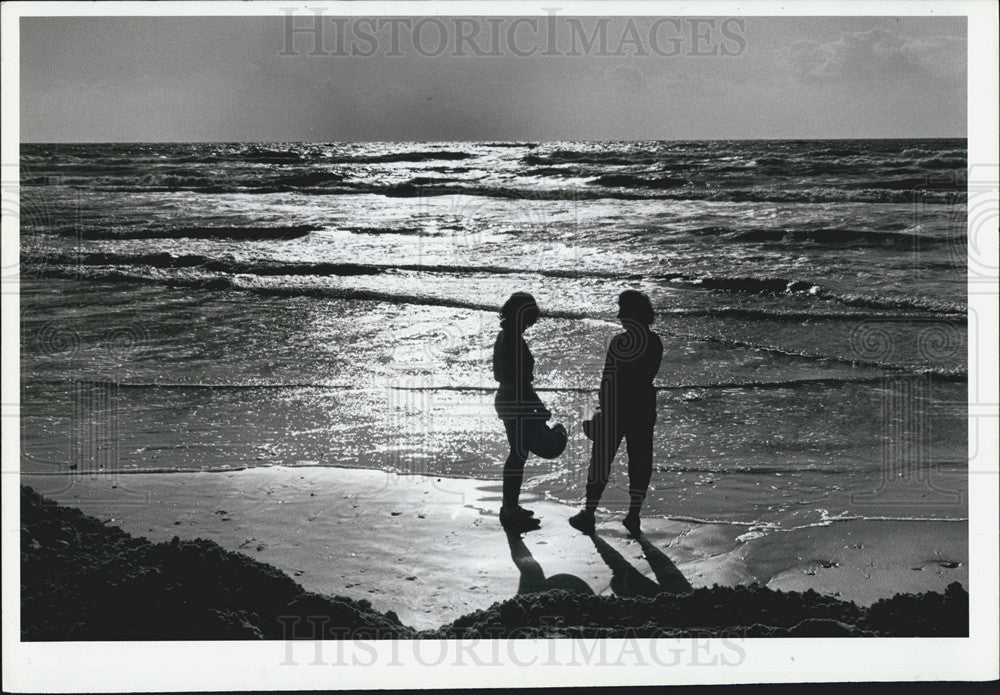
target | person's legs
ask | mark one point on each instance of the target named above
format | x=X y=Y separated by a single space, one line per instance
x=513 y=468
x=639 y=444
x=602 y=453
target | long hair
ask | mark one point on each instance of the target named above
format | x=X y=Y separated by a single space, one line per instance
x=636 y=306
x=515 y=309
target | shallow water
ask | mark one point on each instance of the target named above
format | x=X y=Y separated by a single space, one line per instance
x=211 y=306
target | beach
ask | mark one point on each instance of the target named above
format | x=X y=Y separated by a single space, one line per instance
x=285 y=349
x=431 y=549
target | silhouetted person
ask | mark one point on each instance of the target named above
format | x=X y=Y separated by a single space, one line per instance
x=627 y=409
x=517 y=404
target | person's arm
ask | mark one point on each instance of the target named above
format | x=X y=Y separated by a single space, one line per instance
x=655 y=357
x=608 y=376
x=500 y=368
x=528 y=394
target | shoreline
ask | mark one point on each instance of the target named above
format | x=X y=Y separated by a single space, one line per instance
x=430 y=548
x=84 y=580
x=824 y=521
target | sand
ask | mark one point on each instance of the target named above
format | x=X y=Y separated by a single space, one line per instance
x=431 y=549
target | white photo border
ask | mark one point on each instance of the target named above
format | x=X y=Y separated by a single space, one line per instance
x=239 y=665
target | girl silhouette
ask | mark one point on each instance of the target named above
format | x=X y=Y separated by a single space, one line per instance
x=519 y=407
x=627 y=410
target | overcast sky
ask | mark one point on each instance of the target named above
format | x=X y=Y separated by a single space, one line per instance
x=225 y=79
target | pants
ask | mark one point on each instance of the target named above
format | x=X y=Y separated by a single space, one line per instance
x=638 y=435
x=518 y=430
x=520 y=417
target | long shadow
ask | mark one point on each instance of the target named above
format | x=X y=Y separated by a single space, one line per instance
x=533 y=578
x=667 y=575
x=626 y=580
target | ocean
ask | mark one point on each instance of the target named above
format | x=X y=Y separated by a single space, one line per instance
x=222 y=306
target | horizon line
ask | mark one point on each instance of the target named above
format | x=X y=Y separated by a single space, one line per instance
x=484 y=141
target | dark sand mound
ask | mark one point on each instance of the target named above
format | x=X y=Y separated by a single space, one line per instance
x=82 y=580
x=742 y=611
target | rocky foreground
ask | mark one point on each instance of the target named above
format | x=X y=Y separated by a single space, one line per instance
x=84 y=580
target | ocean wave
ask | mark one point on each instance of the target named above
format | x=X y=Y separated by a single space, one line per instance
x=200 y=385
x=751 y=285
x=912 y=183
x=395 y=157
x=556 y=172
x=247 y=284
x=242 y=283
x=755 y=285
x=830 y=194
x=741 y=187
x=744 y=385
x=798 y=167
x=956 y=374
x=157 y=470
x=630 y=181
x=833 y=382
x=896 y=239
x=846 y=149
x=934 y=149
x=923 y=172
x=806 y=315
x=385 y=230
x=425 y=156
x=388 y=297
x=826 y=519
x=869 y=301
x=269 y=267
x=588 y=157
x=316 y=178
x=274 y=267
x=233 y=233
x=779 y=384
x=885 y=308
x=669 y=191
x=267 y=155
x=664 y=189
x=166 y=259
x=825 y=469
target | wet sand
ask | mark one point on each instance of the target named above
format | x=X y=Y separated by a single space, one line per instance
x=431 y=549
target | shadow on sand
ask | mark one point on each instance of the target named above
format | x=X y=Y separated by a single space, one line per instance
x=626 y=580
x=533 y=578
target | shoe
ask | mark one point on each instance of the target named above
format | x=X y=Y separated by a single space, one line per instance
x=516 y=521
x=631 y=522
x=515 y=512
x=583 y=522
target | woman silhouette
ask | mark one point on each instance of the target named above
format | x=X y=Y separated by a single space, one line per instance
x=627 y=410
x=517 y=404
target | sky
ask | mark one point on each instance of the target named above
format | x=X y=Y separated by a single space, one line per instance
x=191 y=79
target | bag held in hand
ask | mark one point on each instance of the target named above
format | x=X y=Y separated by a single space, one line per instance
x=591 y=426
x=547 y=442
